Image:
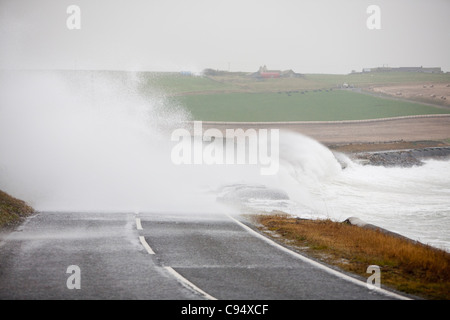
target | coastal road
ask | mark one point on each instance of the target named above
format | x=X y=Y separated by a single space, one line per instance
x=61 y=255
x=408 y=128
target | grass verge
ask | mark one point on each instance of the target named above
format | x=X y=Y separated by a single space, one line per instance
x=12 y=210
x=407 y=266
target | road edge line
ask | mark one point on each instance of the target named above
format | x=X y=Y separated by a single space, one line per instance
x=188 y=284
x=317 y=264
x=146 y=246
x=138 y=224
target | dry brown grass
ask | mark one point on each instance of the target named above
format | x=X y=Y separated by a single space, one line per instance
x=405 y=265
x=12 y=210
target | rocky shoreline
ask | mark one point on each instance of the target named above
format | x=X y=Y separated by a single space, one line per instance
x=401 y=158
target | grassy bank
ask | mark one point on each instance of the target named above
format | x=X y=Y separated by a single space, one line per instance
x=12 y=210
x=405 y=265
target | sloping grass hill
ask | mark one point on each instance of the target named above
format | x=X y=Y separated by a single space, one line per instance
x=12 y=210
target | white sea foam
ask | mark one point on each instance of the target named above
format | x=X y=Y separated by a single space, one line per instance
x=414 y=202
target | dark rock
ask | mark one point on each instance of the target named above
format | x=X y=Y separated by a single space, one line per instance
x=403 y=158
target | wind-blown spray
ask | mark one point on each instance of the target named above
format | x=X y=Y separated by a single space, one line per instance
x=84 y=141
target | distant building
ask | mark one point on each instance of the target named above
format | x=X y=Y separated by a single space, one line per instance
x=264 y=73
x=404 y=69
x=290 y=74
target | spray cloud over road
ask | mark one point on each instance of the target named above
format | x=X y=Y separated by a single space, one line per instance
x=86 y=141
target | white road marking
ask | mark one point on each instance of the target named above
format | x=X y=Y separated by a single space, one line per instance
x=188 y=284
x=316 y=264
x=146 y=246
x=138 y=224
x=178 y=276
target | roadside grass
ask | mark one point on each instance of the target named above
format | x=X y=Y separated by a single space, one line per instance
x=405 y=265
x=12 y=210
x=316 y=105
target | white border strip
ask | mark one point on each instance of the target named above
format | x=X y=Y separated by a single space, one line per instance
x=316 y=264
x=146 y=246
x=188 y=284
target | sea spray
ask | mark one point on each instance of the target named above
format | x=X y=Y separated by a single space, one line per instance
x=89 y=141
x=316 y=183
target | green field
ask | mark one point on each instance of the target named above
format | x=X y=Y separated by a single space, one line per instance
x=312 y=97
x=315 y=105
x=236 y=96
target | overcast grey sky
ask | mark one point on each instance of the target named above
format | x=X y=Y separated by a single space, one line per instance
x=313 y=36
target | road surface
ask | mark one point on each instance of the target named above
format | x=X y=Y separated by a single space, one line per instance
x=409 y=128
x=159 y=257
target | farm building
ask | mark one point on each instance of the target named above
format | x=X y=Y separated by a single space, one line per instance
x=264 y=73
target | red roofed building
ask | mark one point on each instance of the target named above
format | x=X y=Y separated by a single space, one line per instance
x=264 y=73
x=270 y=74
